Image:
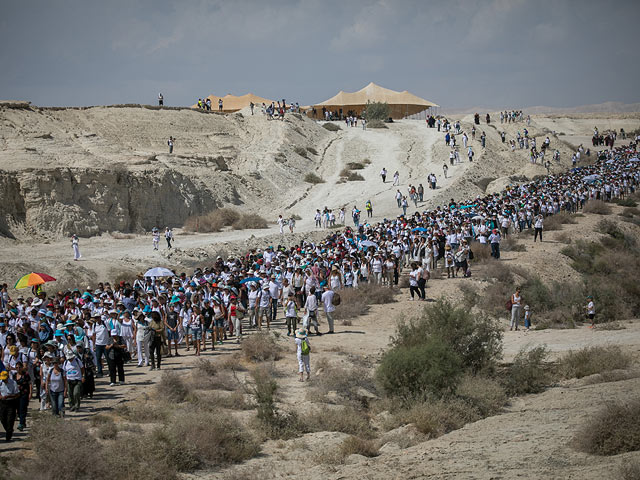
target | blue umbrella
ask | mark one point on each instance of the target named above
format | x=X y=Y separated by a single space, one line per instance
x=250 y=279
x=419 y=229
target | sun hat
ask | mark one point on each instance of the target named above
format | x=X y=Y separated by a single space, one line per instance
x=13 y=349
x=58 y=334
x=114 y=333
x=301 y=333
x=4 y=375
x=526 y=307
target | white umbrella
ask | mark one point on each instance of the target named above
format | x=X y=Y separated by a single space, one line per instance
x=477 y=217
x=610 y=161
x=591 y=178
x=634 y=159
x=369 y=243
x=159 y=272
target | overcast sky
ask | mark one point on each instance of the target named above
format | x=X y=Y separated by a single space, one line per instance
x=457 y=53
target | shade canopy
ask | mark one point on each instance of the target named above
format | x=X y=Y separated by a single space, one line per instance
x=233 y=103
x=159 y=272
x=31 y=279
x=402 y=104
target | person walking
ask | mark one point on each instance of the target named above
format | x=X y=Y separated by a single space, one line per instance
x=538 y=228
x=445 y=169
x=9 y=394
x=303 y=353
x=396 y=179
x=160 y=100
x=76 y=247
x=156 y=238
x=168 y=235
x=157 y=340
x=516 y=303
x=494 y=239
x=143 y=335
x=56 y=387
x=25 y=387
x=327 y=301
x=170 y=142
x=591 y=311
x=291 y=313
x=74 y=373
x=383 y=175
x=311 y=309
x=369 y=208
x=115 y=358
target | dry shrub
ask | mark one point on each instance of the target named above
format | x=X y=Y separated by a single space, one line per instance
x=217 y=439
x=356 y=301
x=355 y=165
x=346 y=420
x=629 y=470
x=136 y=411
x=206 y=367
x=555 y=222
x=481 y=253
x=437 y=417
x=597 y=206
x=611 y=376
x=300 y=151
x=313 y=178
x=528 y=373
x=563 y=237
x=359 y=446
x=121 y=236
x=332 y=127
x=260 y=347
x=250 y=221
x=615 y=429
x=173 y=388
x=592 y=360
x=376 y=124
x=53 y=458
x=486 y=395
x=312 y=150
x=353 y=384
x=350 y=176
x=626 y=202
x=510 y=244
x=107 y=431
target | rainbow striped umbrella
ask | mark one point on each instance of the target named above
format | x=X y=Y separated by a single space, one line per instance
x=31 y=279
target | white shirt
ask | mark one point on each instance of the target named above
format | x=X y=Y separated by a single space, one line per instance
x=327 y=300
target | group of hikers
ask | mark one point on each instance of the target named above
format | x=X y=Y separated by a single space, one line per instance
x=55 y=345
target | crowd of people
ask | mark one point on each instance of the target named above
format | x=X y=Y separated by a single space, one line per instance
x=53 y=346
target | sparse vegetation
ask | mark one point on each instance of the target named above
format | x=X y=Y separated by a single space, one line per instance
x=615 y=429
x=356 y=302
x=555 y=222
x=592 y=360
x=332 y=127
x=355 y=165
x=312 y=151
x=350 y=176
x=218 y=219
x=597 y=206
x=261 y=347
x=377 y=111
x=528 y=373
x=300 y=151
x=313 y=178
x=376 y=124
x=360 y=446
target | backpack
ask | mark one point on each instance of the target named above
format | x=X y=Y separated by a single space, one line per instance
x=305 y=348
x=509 y=304
x=470 y=254
x=336 y=299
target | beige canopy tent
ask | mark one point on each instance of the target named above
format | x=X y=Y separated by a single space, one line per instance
x=402 y=104
x=232 y=103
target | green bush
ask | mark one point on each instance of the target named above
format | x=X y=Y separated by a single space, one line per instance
x=528 y=373
x=476 y=340
x=417 y=371
x=615 y=429
x=592 y=360
x=377 y=111
x=434 y=418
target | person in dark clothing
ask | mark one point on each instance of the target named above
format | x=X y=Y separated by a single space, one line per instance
x=9 y=394
x=24 y=385
x=89 y=385
x=157 y=340
x=115 y=357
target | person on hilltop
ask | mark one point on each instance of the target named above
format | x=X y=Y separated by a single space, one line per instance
x=590 y=308
x=170 y=142
x=220 y=105
x=160 y=100
x=76 y=247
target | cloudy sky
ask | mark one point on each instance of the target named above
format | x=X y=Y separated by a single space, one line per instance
x=458 y=53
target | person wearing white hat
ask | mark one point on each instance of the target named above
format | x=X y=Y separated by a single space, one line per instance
x=303 y=353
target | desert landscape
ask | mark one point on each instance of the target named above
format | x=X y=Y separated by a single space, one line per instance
x=105 y=174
